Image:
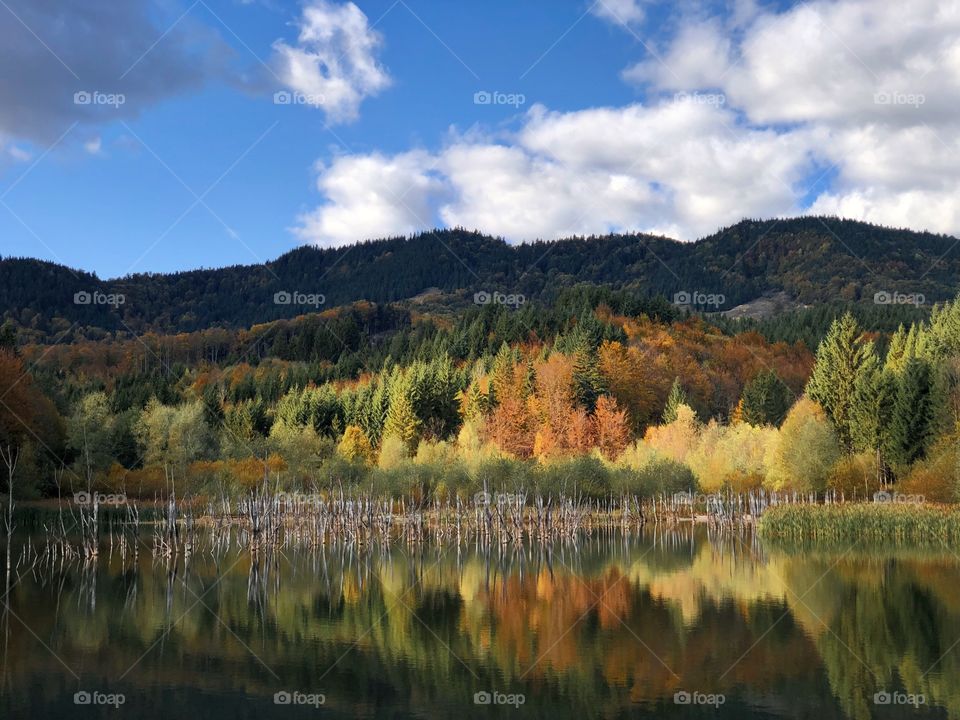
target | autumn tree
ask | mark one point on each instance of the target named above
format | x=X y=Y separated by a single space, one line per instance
x=355 y=446
x=806 y=451
x=611 y=427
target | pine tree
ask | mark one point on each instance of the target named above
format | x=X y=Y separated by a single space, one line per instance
x=766 y=400
x=675 y=399
x=402 y=421
x=914 y=415
x=588 y=383
x=841 y=358
x=875 y=393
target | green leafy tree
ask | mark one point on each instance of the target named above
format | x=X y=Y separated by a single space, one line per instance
x=90 y=434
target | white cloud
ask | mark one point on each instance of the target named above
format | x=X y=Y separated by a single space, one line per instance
x=93 y=145
x=743 y=112
x=673 y=167
x=334 y=64
x=371 y=196
x=875 y=83
x=621 y=12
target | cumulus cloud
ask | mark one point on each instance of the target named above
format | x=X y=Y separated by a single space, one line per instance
x=672 y=168
x=842 y=107
x=371 y=196
x=334 y=64
x=876 y=83
x=59 y=54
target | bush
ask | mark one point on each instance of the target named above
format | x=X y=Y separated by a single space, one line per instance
x=855 y=476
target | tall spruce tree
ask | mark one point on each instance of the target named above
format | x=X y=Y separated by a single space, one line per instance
x=842 y=357
x=875 y=393
x=915 y=413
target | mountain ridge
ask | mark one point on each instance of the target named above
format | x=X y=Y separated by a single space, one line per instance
x=813 y=259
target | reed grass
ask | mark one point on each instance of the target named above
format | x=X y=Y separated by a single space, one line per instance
x=851 y=523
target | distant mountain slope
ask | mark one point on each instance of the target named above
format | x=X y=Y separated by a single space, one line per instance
x=811 y=259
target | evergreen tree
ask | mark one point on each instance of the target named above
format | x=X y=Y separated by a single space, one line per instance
x=766 y=400
x=675 y=399
x=875 y=393
x=914 y=414
x=841 y=358
x=402 y=421
x=588 y=382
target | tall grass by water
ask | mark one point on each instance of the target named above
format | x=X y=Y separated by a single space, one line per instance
x=914 y=523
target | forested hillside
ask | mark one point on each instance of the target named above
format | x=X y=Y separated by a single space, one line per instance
x=813 y=260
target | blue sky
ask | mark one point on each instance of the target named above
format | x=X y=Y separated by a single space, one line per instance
x=635 y=115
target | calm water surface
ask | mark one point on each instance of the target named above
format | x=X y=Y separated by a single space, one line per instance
x=614 y=627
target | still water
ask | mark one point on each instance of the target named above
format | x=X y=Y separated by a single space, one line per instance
x=676 y=625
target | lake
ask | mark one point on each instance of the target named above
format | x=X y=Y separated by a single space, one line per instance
x=685 y=623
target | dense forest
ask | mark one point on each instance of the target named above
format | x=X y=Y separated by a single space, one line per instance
x=813 y=260
x=602 y=391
